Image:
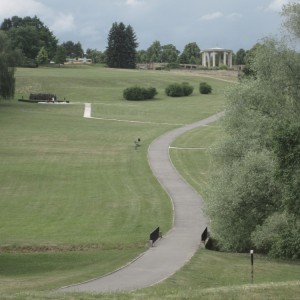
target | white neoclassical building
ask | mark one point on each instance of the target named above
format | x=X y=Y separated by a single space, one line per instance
x=215 y=57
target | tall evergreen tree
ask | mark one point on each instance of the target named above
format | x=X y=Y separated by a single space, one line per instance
x=121 y=49
x=131 y=45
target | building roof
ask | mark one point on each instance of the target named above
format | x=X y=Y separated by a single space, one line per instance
x=216 y=49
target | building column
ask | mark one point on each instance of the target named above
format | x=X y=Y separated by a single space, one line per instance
x=204 y=59
x=230 y=60
x=214 y=59
x=225 y=58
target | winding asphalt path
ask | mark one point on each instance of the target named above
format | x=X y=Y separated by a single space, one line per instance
x=177 y=247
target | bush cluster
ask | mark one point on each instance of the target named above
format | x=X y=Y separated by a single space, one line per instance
x=139 y=93
x=205 y=88
x=173 y=90
x=42 y=96
x=179 y=90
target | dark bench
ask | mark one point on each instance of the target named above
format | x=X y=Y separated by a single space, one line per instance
x=155 y=235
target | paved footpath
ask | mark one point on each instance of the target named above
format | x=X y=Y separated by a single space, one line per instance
x=177 y=247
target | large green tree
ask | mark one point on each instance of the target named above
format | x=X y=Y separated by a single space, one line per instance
x=30 y=35
x=42 y=57
x=249 y=57
x=169 y=54
x=154 y=52
x=96 y=56
x=291 y=12
x=191 y=54
x=240 y=57
x=141 y=56
x=121 y=48
x=8 y=60
x=254 y=192
x=72 y=49
x=60 y=55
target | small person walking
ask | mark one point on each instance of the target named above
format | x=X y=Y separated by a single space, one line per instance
x=137 y=143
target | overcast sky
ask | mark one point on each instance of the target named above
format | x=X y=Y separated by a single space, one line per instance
x=231 y=24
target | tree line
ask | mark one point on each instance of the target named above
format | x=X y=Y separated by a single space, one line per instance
x=28 y=42
x=254 y=195
x=39 y=45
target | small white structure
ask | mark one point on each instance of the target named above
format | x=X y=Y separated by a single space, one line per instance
x=78 y=61
x=215 y=57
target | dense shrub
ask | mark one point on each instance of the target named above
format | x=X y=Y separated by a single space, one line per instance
x=149 y=93
x=174 y=90
x=179 y=90
x=187 y=89
x=205 y=88
x=139 y=93
x=278 y=236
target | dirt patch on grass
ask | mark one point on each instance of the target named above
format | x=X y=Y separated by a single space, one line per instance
x=227 y=76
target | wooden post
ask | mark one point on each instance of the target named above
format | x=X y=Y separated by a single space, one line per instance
x=251 y=258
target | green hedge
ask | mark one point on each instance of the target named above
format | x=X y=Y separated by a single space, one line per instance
x=139 y=93
x=179 y=90
x=205 y=88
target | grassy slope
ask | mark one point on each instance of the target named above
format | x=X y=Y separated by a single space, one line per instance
x=209 y=275
x=72 y=183
x=191 y=154
x=69 y=177
x=69 y=183
x=218 y=275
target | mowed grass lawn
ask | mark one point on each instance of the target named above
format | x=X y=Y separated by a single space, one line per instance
x=77 y=200
x=191 y=154
x=78 y=187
